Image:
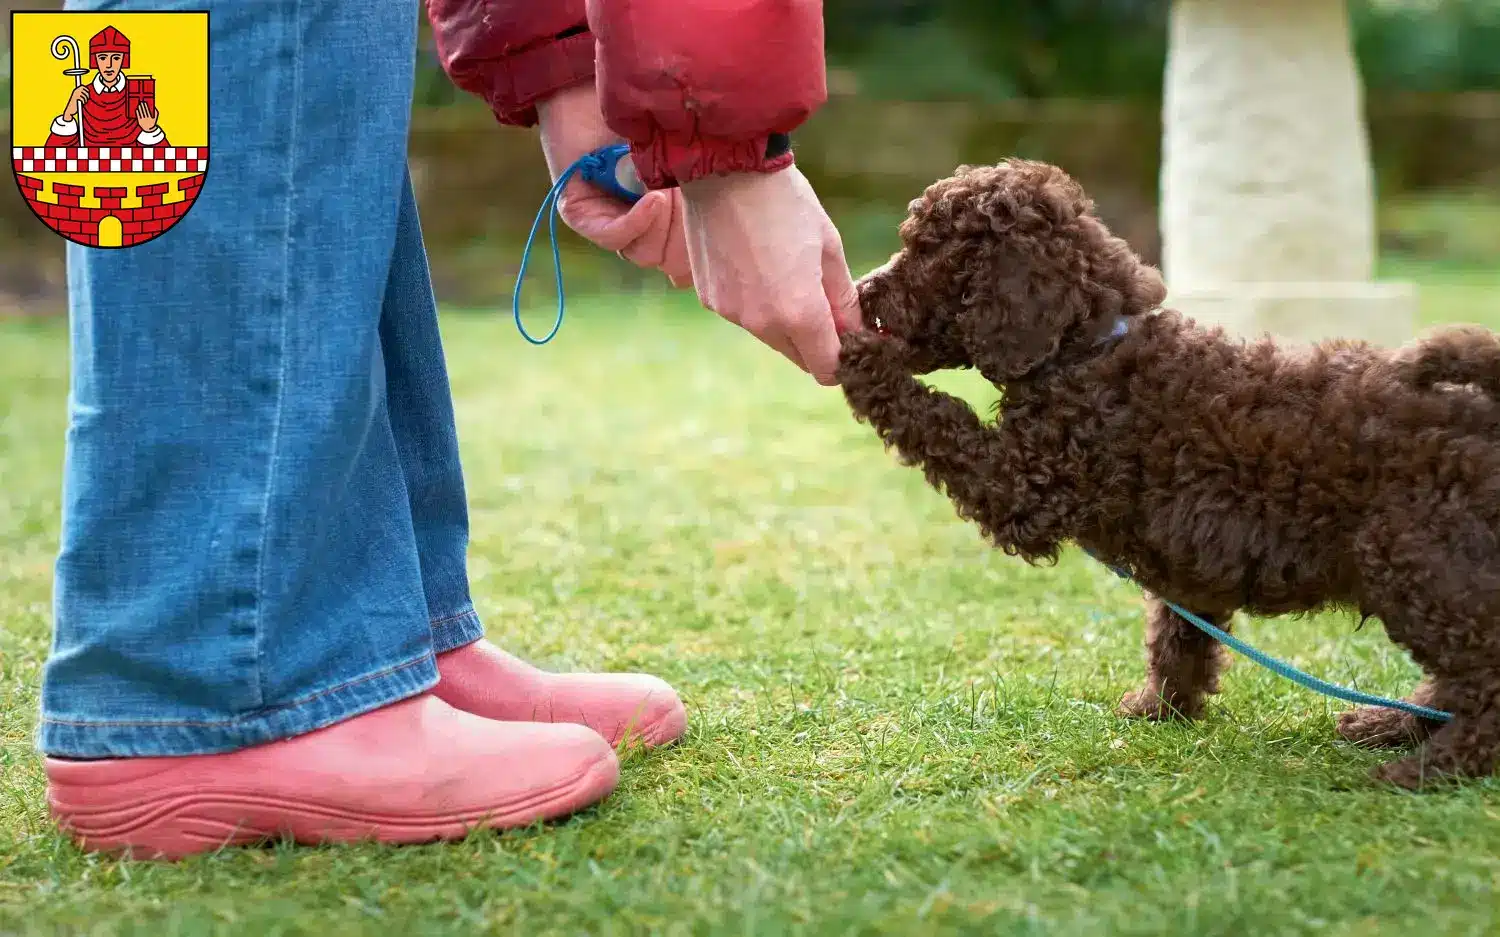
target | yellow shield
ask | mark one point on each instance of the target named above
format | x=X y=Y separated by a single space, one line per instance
x=109 y=121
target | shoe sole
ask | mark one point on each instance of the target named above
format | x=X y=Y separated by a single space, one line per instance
x=176 y=824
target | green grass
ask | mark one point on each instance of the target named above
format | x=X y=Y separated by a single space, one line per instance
x=893 y=728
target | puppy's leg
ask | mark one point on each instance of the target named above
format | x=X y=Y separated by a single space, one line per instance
x=1379 y=727
x=958 y=453
x=1436 y=587
x=1459 y=645
x=1467 y=747
x=1182 y=665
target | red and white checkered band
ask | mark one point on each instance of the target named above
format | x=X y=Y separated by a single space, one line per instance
x=109 y=158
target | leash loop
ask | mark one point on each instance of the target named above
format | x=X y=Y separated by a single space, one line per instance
x=550 y=210
x=600 y=168
x=1283 y=669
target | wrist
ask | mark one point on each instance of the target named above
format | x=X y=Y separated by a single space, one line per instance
x=571 y=126
x=744 y=183
x=577 y=100
x=668 y=159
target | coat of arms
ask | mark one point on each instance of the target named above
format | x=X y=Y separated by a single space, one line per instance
x=111 y=149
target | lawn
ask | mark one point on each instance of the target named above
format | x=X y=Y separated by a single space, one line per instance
x=894 y=729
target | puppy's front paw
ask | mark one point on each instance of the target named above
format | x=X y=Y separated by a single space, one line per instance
x=1147 y=703
x=868 y=344
x=872 y=367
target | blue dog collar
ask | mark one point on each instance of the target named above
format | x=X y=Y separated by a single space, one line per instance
x=1121 y=329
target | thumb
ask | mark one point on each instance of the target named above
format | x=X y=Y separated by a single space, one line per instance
x=838 y=286
x=608 y=222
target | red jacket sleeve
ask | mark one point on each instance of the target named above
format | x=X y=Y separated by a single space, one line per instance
x=698 y=89
x=512 y=53
x=702 y=88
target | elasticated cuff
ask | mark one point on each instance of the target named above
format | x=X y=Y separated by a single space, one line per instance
x=664 y=162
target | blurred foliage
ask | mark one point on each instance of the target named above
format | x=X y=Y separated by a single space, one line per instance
x=1030 y=48
x=928 y=50
x=984 y=50
x=1117 y=48
x=1437 y=45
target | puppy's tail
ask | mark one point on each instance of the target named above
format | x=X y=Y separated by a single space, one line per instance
x=1461 y=354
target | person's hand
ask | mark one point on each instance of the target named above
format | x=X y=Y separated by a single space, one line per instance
x=79 y=95
x=144 y=117
x=649 y=233
x=766 y=257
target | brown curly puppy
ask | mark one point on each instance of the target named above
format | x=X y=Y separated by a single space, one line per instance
x=1221 y=474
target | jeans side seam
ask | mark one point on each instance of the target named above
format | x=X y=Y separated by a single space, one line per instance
x=264 y=711
x=286 y=276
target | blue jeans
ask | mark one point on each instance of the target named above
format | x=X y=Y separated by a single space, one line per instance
x=264 y=520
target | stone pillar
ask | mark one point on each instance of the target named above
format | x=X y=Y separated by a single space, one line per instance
x=1268 y=214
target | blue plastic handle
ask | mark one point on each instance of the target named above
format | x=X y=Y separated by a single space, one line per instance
x=610 y=169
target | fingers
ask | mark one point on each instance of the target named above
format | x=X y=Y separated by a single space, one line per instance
x=608 y=222
x=648 y=234
x=662 y=246
x=803 y=329
x=765 y=324
x=674 y=260
x=649 y=248
x=781 y=343
x=816 y=341
x=838 y=286
x=813 y=331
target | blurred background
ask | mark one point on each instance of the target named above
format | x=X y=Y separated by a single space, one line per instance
x=920 y=86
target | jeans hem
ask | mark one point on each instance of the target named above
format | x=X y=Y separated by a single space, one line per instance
x=81 y=739
x=454 y=631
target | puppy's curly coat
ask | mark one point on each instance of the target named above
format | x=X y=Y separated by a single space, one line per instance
x=1221 y=474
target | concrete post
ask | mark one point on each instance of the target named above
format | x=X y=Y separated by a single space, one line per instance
x=1268 y=215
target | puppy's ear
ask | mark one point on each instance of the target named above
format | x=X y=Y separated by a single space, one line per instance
x=1147 y=288
x=1014 y=318
x=1047 y=273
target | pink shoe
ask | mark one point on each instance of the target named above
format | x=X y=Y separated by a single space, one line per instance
x=415 y=771
x=484 y=680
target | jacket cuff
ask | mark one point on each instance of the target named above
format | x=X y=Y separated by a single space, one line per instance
x=663 y=162
x=519 y=81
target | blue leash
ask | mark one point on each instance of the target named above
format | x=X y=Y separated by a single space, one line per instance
x=1283 y=669
x=608 y=168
